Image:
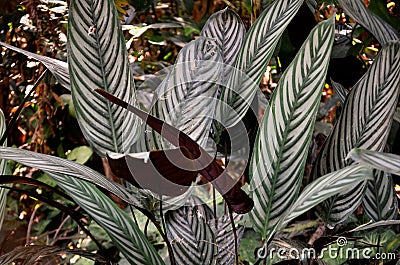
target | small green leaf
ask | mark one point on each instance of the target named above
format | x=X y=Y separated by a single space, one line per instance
x=80 y=154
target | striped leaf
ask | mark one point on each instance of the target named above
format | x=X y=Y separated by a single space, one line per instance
x=325 y=187
x=97 y=57
x=3 y=171
x=380 y=200
x=371 y=225
x=282 y=142
x=382 y=31
x=58 y=68
x=56 y=165
x=389 y=163
x=204 y=163
x=225 y=239
x=254 y=56
x=191 y=237
x=340 y=91
x=226 y=28
x=186 y=98
x=365 y=122
x=124 y=233
x=34 y=254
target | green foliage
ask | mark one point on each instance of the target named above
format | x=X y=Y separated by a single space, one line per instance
x=225 y=64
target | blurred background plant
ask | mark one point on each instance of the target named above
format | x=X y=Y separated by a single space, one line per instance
x=155 y=31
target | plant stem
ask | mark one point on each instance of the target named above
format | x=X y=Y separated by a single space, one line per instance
x=234 y=235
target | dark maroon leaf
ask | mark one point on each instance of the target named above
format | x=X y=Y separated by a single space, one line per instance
x=203 y=163
x=167 y=172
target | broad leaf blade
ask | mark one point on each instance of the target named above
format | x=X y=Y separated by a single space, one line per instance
x=226 y=28
x=119 y=226
x=58 y=68
x=364 y=123
x=225 y=239
x=186 y=98
x=97 y=57
x=380 y=200
x=254 y=55
x=279 y=156
x=382 y=31
x=389 y=163
x=33 y=253
x=56 y=165
x=325 y=187
x=191 y=237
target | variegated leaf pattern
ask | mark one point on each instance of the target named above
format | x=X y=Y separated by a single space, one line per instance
x=97 y=58
x=124 y=233
x=186 y=98
x=52 y=164
x=282 y=142
x=325 y=187
x=225 y=239
x=364 y=123
x=58 y=68
x=382 y=31
x=380 y=200
x=340 y=91
x=192 y=239
x=3 y=171
x=254 y=56
x=226 y=28
x=389 y=163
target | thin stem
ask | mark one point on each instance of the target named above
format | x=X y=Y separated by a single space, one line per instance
x=230 y=212
x=28 y=232
x=215 y=207
x=10 y=125
x=146 y=227
x=149 y=215
x=234 y=235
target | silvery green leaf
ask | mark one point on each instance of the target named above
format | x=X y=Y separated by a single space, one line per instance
x=124 y=233
x=340 y=91
x=191 y=237
x=97 y=58
x=186 y=98
x=58 y=68
x=380 y=200
x=282 y=142
x=56 y=165
x=226 y=28
x=257 y=49
x=364 y=123
x=382 y=31
x=325 y=187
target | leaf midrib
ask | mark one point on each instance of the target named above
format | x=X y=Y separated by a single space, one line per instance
x=103 y=72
